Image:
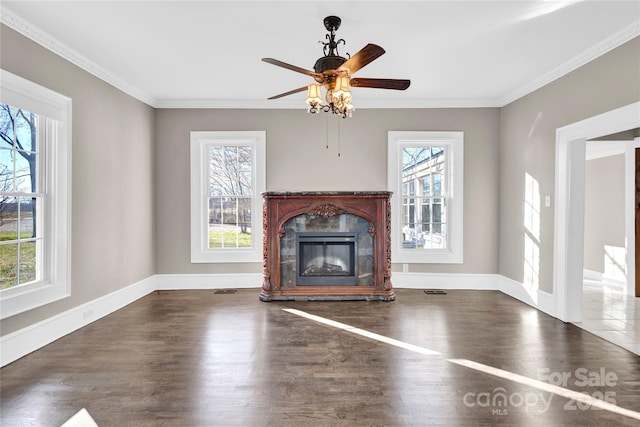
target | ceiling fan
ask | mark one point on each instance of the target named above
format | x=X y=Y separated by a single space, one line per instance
x=335 y=72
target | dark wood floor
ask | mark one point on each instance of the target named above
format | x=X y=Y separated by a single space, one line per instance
x=196 y=358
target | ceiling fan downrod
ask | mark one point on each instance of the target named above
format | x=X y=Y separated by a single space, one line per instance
x=331 y=59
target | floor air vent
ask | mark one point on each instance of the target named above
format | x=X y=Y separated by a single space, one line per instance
x=225 y=291
x=435 y=292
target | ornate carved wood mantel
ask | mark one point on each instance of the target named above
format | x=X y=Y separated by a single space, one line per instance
x=280 y=209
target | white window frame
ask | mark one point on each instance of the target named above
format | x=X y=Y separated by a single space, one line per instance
x=200 y=251
x=454 y=170
x=55 y=281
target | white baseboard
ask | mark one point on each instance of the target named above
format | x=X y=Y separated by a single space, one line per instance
x=536 y=298
x=444 y=281
x=24 y=341
x=33 y=337
x=208 y=281
x=592 y=275
x=543 y=301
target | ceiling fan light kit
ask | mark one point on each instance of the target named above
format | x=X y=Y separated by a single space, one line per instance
x=334 y=73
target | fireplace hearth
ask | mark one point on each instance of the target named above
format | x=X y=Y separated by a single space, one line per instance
x=326 y=246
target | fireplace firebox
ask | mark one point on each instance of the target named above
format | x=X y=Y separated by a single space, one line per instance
x=327 y=246
x=326 y=259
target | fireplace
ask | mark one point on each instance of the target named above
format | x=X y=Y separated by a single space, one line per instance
x=326 y=246
x=326 y=259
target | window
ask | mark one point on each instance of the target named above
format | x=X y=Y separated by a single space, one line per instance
x=425 y=173
x=228 y=172
x=35 y=171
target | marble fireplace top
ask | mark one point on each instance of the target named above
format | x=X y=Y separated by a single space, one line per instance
x=324 y=193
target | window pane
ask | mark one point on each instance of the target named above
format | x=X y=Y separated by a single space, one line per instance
x=437 y=184
x=17 y=157
x=229 y=211
x=230 y=222
x=25 y=172
x=215 y=210
x=8 y=265
x=245 y=172
x=215 y=222
x=27 y=217
x=8 y=218
x=28 y=265
x=230 y=170
x=244 y=215
x=423 y=217
x=426 y=218
x=426 y=186
x=6 y=170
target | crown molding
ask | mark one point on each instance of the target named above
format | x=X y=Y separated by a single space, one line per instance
x=627 y=33
x=299 y=104
x=15 y=22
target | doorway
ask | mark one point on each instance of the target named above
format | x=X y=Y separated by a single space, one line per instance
x=609 y=307
x=569 y=210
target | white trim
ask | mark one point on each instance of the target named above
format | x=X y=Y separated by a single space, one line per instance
x=453 y=141
x=536 y=298
x=15 y=22
x=56 y=281
x=24 y=341
x=293 y=103
x=630 y=213
x=610 y=43
x=209 y=281
x=599 y=149
x=199 y=225
x=568 y=245
x=592 y=275
x=28 y=30
x=482 y=282
x=33 y=337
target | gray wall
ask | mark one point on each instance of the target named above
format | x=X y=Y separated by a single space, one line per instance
x=113 y=242
x=603 y=209
x=130 y=167
x=297 y=159
x=527 y=145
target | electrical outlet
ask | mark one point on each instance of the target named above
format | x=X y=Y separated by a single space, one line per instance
x=88 y=314
x=405 y=268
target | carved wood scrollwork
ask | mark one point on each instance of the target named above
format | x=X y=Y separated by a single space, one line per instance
x=326 y=210
x=266 y=283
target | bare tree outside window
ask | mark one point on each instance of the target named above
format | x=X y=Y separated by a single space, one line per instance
x=18 y=195
x=230 y=195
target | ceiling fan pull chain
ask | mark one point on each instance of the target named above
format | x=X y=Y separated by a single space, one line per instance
x=326 y=128
x=339 y=139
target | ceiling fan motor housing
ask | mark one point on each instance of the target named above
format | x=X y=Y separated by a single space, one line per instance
x=328 y=63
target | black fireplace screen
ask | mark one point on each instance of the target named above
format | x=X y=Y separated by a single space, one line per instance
x=327 y=259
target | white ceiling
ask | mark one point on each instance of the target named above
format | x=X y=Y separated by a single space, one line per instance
x=207 y=53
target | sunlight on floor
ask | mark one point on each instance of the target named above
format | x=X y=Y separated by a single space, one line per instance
x=610 y=314
x=537 y=384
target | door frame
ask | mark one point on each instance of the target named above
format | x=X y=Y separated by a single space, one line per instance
x=568 y=241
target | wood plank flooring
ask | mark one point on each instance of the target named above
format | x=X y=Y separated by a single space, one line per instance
x=196 y=358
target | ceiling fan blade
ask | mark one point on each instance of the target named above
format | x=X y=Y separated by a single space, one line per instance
x=290 y=67
x=291 y=92
x=363 y=57
x=380 y=83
